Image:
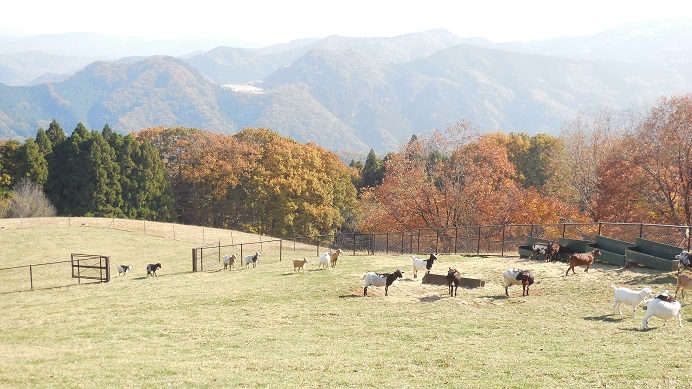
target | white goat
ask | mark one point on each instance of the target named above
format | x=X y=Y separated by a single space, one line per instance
x=630 y=297
x=663 y=307
x=325 y=261
x=228 y=262
x=423 y=264
x=538 y=248
x=251 y=259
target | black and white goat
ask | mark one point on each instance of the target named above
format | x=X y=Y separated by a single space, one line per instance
x=375 y=279
x=251 y=259
x=123 y=269
x=152 y=268
x=423 y=264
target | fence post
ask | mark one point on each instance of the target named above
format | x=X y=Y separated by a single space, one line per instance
x=354 y=244
x=641 y=229
x=418 y=250
x=437 y=239
x=502 y=251
x=531 y=233
x=31 y=277
x=564 y=226
x=194 y=260
x=478 y=245
x=599 y=228
x=456 y=238
x=386 y=247
x=281 y=248
x=219 y=251
x=402 y=242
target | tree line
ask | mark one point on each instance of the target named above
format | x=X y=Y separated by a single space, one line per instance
x=632 y=165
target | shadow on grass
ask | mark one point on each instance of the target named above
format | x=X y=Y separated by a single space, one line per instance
x=349 y=296
x=430 y=299
x=610 y=318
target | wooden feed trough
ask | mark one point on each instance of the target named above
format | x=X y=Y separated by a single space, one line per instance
x=439 y=279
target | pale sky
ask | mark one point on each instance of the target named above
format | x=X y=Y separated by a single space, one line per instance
x=279 y=21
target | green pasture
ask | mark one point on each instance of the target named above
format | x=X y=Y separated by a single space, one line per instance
x=270 y=327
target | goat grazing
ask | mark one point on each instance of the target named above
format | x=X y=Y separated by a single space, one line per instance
x=684 y=261
x=684 y=282
x=630 y=297
x=375 y=279
x=453 y=280
x=152 y=268
x=551 y=253
x=538 y=248
x=228 y=262
x=423 y=264
x=251 y=259
x=514 y=276
x=663 y=307
x=299 y=265
x=582 y=259
x=123 y=269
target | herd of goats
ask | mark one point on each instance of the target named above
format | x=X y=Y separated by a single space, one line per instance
x=663 y=306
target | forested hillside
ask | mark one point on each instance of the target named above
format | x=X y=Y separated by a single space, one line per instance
x=350 y=95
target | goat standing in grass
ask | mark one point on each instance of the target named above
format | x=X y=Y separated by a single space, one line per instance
x=514 y=276
x=423 y=264
x=582 y=259
x=629 y=297
x=299 y=265
x=453 y=280
x=663 y=307
x=376 y=279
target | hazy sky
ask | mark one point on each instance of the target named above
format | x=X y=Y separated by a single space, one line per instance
x=278 y=21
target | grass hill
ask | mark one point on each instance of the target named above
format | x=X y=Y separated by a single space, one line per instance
x=270 y=327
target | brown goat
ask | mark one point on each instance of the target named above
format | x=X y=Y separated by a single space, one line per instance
x=684 y=282
x=299 y=265
x=334 y=256
x=582 y=259
x=453 y=280
x=552 y=251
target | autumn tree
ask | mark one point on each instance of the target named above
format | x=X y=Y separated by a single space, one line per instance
x=663 y=152
x=589 y=139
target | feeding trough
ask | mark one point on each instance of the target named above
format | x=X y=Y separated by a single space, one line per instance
x=439 y=279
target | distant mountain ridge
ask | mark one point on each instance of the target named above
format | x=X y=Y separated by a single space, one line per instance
x=353 y=94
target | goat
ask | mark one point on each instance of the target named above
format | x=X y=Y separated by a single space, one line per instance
x=514 y=276
x=582 y=259
x=299 y=265
x=551 y=252
x=324 y=261
x=629 y=297
x=375 y=279
x=453 y=279
x=684 y=261
x=123 y=269
x=423 y=264
x=228 y=262
x=152 y=268
x=333 y=257
x=684 y=282
x=538 y=248
x=663 y=307
x=251 y=259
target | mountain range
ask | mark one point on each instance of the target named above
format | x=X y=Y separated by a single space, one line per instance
x=345 y=94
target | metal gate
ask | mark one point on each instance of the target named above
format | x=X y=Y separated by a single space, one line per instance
x=91 y=267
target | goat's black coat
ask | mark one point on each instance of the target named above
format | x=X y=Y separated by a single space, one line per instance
x=453 y=279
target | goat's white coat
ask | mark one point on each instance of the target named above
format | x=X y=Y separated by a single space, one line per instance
x=663 y=310
x=629 y=297
x=325 y=260
x=510 y=277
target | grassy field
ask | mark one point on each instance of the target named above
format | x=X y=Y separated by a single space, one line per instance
x=269 y=327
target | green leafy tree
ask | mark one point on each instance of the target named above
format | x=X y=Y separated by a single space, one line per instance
x=55 y=133
x=35 y=165
x=373 y=170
